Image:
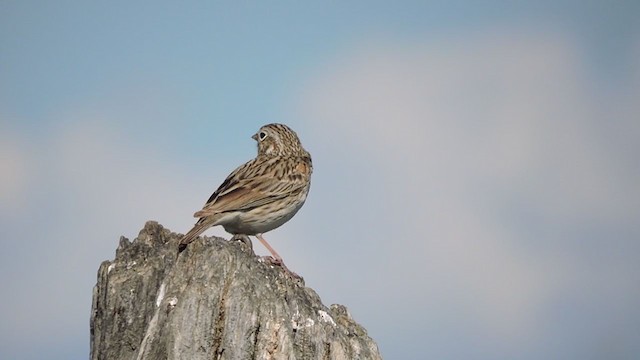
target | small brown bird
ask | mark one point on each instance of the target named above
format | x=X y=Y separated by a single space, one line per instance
x=262 y=194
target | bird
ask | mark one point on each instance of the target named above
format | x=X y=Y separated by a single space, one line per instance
x=262 y=194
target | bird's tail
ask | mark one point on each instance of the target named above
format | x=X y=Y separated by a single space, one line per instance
x=197 y=229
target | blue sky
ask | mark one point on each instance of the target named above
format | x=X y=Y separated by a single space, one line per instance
x=475 y=188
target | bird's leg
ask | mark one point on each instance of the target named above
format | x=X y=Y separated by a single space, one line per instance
x=277 y=258
x=243 y=239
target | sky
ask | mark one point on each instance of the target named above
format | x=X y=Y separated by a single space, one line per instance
x=475 y=189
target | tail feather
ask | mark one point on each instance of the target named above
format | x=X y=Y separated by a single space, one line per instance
x=197 y=229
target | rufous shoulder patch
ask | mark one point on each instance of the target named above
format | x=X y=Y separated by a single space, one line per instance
x=302 y=168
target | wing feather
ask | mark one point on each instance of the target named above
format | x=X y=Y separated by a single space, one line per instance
x=256 y=183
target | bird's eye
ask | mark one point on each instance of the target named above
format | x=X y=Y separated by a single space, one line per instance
x=262 y=135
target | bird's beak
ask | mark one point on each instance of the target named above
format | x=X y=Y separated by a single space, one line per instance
x=255 y=137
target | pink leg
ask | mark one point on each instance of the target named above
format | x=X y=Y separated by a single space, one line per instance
x=271 y=250
x=278 y=259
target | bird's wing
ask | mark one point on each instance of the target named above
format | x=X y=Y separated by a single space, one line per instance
x=256 y=183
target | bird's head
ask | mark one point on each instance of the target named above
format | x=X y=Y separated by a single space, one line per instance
x=278 y=140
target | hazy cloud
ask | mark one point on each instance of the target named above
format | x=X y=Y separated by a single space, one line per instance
x=88 y=184
x=15 y=170
x=491 y=163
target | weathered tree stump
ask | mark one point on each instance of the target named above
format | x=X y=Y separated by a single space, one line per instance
x=216 y=300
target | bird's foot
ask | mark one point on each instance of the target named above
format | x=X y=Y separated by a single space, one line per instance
x=278 y=262
x=243 y=239
x=270 y=260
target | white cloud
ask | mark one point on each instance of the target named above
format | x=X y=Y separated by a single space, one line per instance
x=91 y=184
x=487 y=158
x=15 y=169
